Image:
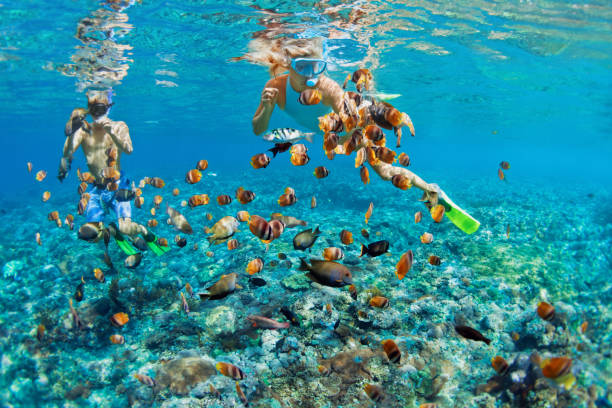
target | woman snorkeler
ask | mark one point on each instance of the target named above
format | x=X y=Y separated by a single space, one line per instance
x=305 y=62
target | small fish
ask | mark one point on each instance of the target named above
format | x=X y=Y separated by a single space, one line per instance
x=214 y=391
x=153 y=211
x=184 y=303
x=232 y=244
x=404 y=264
x=546 y=311
x=374 y=392
x=379 y=301
x=138 y=202
x=108 y=261
x=328 y=308
x=365 y=175
x=119 y=319
x=193 y=176
x=117 y=339
x=40 y=176
x=40 y=332
x=402 y=182
x=298 y=149
x=37 y=237
x=262 y=322
x=133 y=261
x=434 y=260
x=29 y=165
x=241 y=395
x=286 y=200
x=346 y=237
x=280 y=148
x=260 y=161
x=289 y=315
x=69 y=221
x=500 y=174
x=427 y=238
x=46 y=196
x=305 y=239
x=368 y=213
x=78 y=294
x=500 y=365
x=99 y=275
x=289 y=221
x=508 y=231
x=324 y=371
x=243 y=216
x=333 y=254
x=261 y=228
x=504 y=165
x=559 y=370
x=321 y=172
x=152 y=223
x=230 y=370
x=392 y=351
x=202 y=165
x=330 y=141
x=176 y=191
x=365 y=233
x=75 y=317
x=146 y=380
x=157 y=182
x=255 y=266
x=327 y=273
x=375 y=248
x=257 y=282
x=157 y=200
x=223 y=287
x=178 y=220
x=353 y=291
x=584 y=326
x=299 y=159
x=313 y=202
x=471 y=334
x=403 y=159
x=244 y=196
x=197 y=200
x=181 y=242
x=515 y=336
x=283 y=135
x=310 y=97
x=224 y=199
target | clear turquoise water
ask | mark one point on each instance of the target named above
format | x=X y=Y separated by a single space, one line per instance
x=526 y=82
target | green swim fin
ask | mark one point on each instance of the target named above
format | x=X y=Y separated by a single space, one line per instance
x=122 y=243
x=151 y=241
x=458 y=216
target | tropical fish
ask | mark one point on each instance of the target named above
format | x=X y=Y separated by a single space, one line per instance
x=46 y=196
x=434 y=260
x=426 y=238
x=321 y=172
x=500 y=365
x=289 y=315
x=346 y=237
x=584 y=326
x=119 y=319
x=37 y=237
x=223 y=229
x=353 y=291
x=78 y=294
x=392 y=351
x=362 y=78
x=379 y=301
x=365 y=233
x=117 y=339
x=29 y=165
x=286 y=200
x=437 y=212
x=330 y=141
x=559 y=370
x=374 y=392
x=331 y=123
x=243 y=216
x=375 y=248
x=277 y=227
x=224 y=199
x=241 y=395
x=327 y=273
x=504 y=165
x=138 y=202
x=289 y=221
x=333 y=254
x=184 y=303
x=99 y=275
x=180 y=241
x=400 y=181
x=260 y=161
x=305 y=239
x=280 y=148
x=368 y=213
x=153 y=211
x=403 y=159
x=232 y=244
x=500 y=174
x=508 y=231
x=157 y=200
x=223 y=287
x=178 y=220
x=299 y=159
x=257 y=282
x=145 y=379
x=214 y=391
x=244 y=196
x=40 y=332
x=69 y=221
x=313 y=202
x=287 y=135
x=404 y=264
x=202 y=165
x=176 y=191
x=152 y=223
x=198 y=200
x=471 y=334
x=310 y=97
x=40 y=176
x=133 y=261
x=364 y=174
x=230 y=370
x=157 y=182
x=298 y=149
x=546 y=311
x=75 y=317
x=261 y=228
x=262 y=322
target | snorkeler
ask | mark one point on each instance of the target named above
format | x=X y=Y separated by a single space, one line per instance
x=306 y=65
x=103 y=142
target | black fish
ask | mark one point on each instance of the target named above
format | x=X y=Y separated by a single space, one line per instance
x=280 y=148
x=375 y=248
x=140 y=244
x=471 y=334
x=181 y=242
x=106 y=235
x=257 y=282
x=108 y=261
x=306 y=239
x=124 y=195
x=292 y=317
x=78 y=294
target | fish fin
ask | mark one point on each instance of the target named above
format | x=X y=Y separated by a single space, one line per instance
x=238 y=286
x=309 y=136
x=487 y=341
x=312 y=277
x=364 y=250
x=274 y=150
x=316 y=231
x=204 y=296
x=303 y=265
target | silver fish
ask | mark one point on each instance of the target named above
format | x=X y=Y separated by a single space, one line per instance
x=287 y=135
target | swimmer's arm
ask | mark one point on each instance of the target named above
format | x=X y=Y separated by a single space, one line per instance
x=262 y=118
x=332 y=93
x=120 y=134
x=71 y=144
x=269 y=99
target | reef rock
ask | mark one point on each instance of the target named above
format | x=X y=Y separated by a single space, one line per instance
x=221 y=319
x=183 y=373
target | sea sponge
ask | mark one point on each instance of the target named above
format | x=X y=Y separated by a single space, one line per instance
x=182 y=374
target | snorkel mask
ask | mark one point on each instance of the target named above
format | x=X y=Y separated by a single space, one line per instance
x=99 y=109
x=311 y=68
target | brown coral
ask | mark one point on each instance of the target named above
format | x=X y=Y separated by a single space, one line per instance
x=181 y=374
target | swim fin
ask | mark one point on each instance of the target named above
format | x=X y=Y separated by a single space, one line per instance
x=122 y=243
x=151 y=241
x=458 y=216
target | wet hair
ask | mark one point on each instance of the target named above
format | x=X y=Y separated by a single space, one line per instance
x=277 y=53
x=95 y=96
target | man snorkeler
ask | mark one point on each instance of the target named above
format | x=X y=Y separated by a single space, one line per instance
x=103 y=142
x=305 y=63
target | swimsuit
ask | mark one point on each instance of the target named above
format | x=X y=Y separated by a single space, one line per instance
x=100 y=199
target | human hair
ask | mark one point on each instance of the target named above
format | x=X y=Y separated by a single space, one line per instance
x=97 y=96
x=277 y=53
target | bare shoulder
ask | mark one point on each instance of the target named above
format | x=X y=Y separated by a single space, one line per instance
x=119 y=125
x=279 y=82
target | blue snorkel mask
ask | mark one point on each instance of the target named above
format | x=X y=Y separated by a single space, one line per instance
x=311 y=68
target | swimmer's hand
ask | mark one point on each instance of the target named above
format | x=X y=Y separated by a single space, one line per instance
x=76 y=121
x=64 y=167
x=269 y=97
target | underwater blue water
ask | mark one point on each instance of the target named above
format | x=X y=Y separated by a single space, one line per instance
x=529 y=82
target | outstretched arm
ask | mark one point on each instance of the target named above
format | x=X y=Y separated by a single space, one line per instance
x=72 y=143
x=120 y=134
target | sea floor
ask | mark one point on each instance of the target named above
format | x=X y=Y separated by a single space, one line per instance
x=537 y=242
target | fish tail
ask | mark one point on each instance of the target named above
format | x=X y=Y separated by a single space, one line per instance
x=204 y=296
x=303 y=265
x=487 y=341
x=316 y=231
x=309 y=136
x=364 y=250
x=274 y=151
